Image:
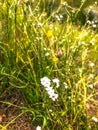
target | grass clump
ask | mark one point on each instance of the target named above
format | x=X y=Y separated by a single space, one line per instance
x=54 y=65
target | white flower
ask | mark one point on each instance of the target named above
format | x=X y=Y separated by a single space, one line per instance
x=95 y=119
x=94 y=25
x=38 y=128
x=64 y=3
x=45 y=49
x=91 y=7
x=57 y=85
x=69 y=97
x=91 y=76
x=49 y=89
x=91 y=64
x=90 y=86
x=51 y=26
x=66 y=85
x=45 y=81
x=51 y=93
x=54 y=97
x=80 y=70
x=39 y=24
x=82 y=42
x=88 y=21
x=57 y=17
x=50 y=110
x=57 y=82
x=61 y=16
x=47 y=54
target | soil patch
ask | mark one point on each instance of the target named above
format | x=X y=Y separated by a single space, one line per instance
x=11 y=116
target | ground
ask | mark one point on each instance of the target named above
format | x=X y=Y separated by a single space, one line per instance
x=9 y=112
x=24 y=122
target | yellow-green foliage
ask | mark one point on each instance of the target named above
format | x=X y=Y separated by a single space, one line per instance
x=33 y=48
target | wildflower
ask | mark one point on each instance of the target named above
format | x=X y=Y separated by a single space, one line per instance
x=54 y=97
x=51 y=93
x=69 y=97
x=64 y=3
x=89 y=126
x=39 y=24
x=91 y=64
x=66 y=85
x=50 y=110
x=57 y=17
x=90 y=86
x=80 y=70
x=50 y=89
x=82 y=42
x=45 y=49
x=93 y=22
x=91 y=76
x=91 y=7
x=57 y=82
x=96 y=21
x=47 y=54
x=45 y=81
x=55 y=59
x=94 y=25
x=49 y=33
x=89 y=22
x=61 y=16
x=95 y=119
x=38 y=128
x=51 y=26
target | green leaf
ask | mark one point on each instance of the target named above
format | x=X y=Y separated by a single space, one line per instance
x=44 y=122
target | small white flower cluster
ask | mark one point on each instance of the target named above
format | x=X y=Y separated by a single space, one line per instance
x=58 y=17
x=64 y=3
x=93 y=24
x=57 y=82
x=95 y=119
x=66 y=85
x=91 y=64
x=46 y=52
x=90 y=86
x=51 y=26
x=83 y=42
x=96 y=3
x=38 y=128
x=39 y=24
x=46 y=82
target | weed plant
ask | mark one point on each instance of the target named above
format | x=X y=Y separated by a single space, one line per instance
x=54 y=65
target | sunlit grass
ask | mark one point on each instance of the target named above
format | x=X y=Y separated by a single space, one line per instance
x=33 y=47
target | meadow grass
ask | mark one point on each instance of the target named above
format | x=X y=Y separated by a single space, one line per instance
x=53 y=64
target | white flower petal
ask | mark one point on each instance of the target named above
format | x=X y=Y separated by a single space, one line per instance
x=94 y=119
x=56 y=80
x=38 y=128
x=45 y=81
